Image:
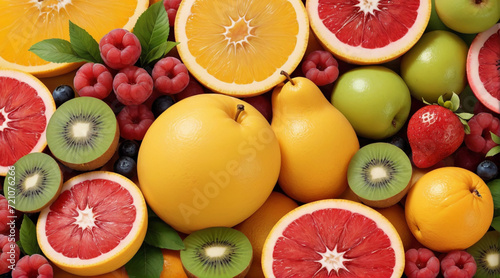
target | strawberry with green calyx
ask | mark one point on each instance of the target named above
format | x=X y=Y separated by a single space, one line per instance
x=435 y=131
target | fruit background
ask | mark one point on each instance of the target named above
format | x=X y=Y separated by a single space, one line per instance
x=393 y=105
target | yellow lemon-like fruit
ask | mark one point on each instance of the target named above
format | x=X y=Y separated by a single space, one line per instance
x=396 y=215
x=207 y=161
x=449 y=208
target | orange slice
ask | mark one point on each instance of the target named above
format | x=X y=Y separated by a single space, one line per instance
x=239 y=48
x=26 y=22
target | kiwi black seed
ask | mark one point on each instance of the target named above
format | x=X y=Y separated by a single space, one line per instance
x=379 y=174
x=216 y=252
x=83 y=133
x=33 y=182
x=486 y=253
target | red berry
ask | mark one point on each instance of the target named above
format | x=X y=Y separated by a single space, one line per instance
x=120 y=48
x=132 y=85
x=4 y=215
x=467 y=159
x=479 y=140
x=170 y=75
x=320 y=67
x=193 y=88
x=171 y=6
x=263 y=104
x=9 y=253
x=134 y=121
x=93 y=80
x=33 y=266
x=458 y=264
x=434 y=133
x=421 y=263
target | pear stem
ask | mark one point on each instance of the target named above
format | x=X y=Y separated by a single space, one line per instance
x=287 y=76
x=240 y=108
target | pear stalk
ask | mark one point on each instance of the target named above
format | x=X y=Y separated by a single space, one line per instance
x=287 y=76
x=240 y=108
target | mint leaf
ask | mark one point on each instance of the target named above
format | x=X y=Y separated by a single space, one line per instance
x=56 y=51
x=84 y=45
x=496 y=223
x=146 y=263
x=170 y=45
x=27 y=236
x=161 y=235
x=152 y=30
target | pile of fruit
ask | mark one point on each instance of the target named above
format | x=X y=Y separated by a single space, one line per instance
x=282 y=138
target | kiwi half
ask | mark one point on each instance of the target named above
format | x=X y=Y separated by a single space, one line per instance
x=486 y=253
x=83 y=133
x=33 y=182
x=216 y=252
x=379 y=174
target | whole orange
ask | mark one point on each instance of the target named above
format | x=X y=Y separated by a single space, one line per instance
x=172 y=265
x=449 y=208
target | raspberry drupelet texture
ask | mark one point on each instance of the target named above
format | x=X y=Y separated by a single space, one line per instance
x=421 y=263
x=170 y=76
x=134 y=121
x=93 y=80
x=120 y=48
x=132 y=85
x=320 y=67
x=33 y=266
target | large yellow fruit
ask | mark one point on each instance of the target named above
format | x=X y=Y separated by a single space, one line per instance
x=200 y=167
x=449 y=208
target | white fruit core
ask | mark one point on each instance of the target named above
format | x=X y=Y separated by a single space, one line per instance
x=30 y=181
x=238 y=32
x=85 y=218
x=215 y=251
x=333 y=260
x=368 y=6
x=5 y=117
x=81 y=130
x=493 y=260
x=46 y=6
x=378 y=173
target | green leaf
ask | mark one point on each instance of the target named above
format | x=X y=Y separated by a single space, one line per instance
x=161 y=235
x=465 y=115
x=27 y=236
x=170 y=45
x=455 y=101
x=494 y=187
x=466 y=125
x=441 y=101
x=84 y=45
x=495 y=138
x=146 y=263
x=56 y=51
x=152 y=30
x=496 y=223
x=493 y=151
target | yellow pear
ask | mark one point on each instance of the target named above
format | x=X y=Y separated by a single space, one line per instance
x=316 y=141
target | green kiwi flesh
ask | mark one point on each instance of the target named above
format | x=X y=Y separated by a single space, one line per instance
x=33 y=182
x=216 y=252
x=486 y=253
x=379 y=174
x=83 y=133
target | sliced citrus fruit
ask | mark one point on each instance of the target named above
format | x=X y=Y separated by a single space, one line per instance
x=95 y=226
x=239 y=48
x=483 y=71
x=26 y=106
x=26 y=22
x=333 y=238
x=370 y=31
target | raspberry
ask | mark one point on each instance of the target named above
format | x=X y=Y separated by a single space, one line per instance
x=320 y=67
x=263 y=104
x=479 y=140
x=134 y=121
x=421 y=263
x=467 y=159
x=9 y=253
x=193 y=88
x=120 y=48
x=170 y=75
x=171 y=6
x=458 y=264
x=132 y=85
x=93 y=80
x=33 y=266
x=4 y=215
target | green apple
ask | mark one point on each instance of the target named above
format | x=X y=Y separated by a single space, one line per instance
x=468 y=16
x=374 y=99
x=435 y=66
x=435 y=22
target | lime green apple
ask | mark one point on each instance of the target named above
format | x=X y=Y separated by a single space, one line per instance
x=374 y=99
x=468 y=16
x=435 y=22
x=435 y=66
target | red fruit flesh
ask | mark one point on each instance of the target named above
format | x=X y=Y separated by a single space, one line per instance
x=170 y=75
x=479 y=140
x=134 y=121
x=320 y=67
x=421 y=263
x=93 y=80
x=133 y=85
x=9 y=253
x=120 y=48
x=458 y=264
x=34 y=266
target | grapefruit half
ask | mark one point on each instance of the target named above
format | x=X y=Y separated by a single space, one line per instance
x=26 y=106
x=483 y=67
x=368 y=31
x=333 y=238
x=95 y=226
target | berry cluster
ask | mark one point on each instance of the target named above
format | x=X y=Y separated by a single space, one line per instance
x=422 y=263
x=127 y=160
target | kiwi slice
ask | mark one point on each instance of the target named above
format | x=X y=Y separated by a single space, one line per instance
x=216 y=252
x=83 y=133
x=33 y=182
x=379 y=174
x=486 y=253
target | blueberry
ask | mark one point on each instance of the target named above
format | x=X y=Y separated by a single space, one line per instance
x=62 y=93
x=125 y=166
x=398 y=142
x=129 y=148
x=487 y=170
x=161 y=104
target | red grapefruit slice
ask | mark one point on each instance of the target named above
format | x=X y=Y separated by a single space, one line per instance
x=26 y=106
x=95 y=226
x=368 y=31
x=333 y=238
x=483 y=67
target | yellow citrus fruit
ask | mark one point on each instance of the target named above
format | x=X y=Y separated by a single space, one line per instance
x=119 y=273
x=449 y=208
x=258 y=226
x=239 y=48
x=172 y=265
x=396 y=215
x=26 y=22
x=63 y=79
x=201 y=164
